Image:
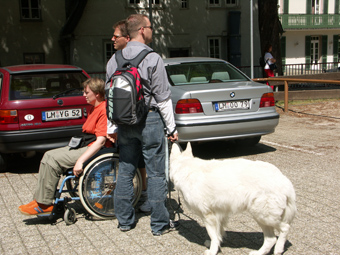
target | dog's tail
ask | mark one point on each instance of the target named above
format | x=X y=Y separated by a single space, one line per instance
x=290 y=211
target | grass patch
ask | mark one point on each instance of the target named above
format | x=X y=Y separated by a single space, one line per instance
x=306 y=102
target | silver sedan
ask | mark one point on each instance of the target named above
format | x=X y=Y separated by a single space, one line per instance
x=213 y=100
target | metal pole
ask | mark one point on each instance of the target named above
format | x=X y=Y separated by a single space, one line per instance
x=150 y=16
x=150 y=11
x=251 y=41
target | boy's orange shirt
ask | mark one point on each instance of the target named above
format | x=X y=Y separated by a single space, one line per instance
x=96 y=122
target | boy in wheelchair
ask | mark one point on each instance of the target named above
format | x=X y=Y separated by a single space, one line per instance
x=56 y=162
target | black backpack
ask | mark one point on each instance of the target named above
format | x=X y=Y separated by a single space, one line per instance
x=125 y=97
x=262 y=62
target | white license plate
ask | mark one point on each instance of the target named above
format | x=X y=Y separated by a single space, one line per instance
x=232 y=105
x=61 y=115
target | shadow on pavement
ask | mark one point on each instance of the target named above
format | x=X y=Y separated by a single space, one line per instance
x=18 y=164
x=227 y=149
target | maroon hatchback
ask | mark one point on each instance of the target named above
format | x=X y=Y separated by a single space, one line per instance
x=41 y=107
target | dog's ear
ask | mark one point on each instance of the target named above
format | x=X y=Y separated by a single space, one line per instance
x=188 y=151
x=175 y=150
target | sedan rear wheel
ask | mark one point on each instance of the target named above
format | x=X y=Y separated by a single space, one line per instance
x=251 y=141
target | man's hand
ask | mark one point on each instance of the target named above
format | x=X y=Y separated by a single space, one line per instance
x=112 y=137
x=173 y=138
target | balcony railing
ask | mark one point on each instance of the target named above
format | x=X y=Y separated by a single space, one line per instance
x=297 y=69
x=309 y=21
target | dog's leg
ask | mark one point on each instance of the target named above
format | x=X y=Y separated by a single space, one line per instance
x=269 y=240
x=279 y=247
x=213 y=229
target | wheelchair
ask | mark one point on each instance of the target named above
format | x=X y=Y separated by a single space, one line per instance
x=94 y=188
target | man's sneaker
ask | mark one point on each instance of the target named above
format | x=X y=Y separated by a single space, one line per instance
x=125 y=228
x=29 y=204
x=173 y=225
x=145 y=207
x=34 y=208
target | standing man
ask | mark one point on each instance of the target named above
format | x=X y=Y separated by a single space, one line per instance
x=148 y=135
x=120 y=39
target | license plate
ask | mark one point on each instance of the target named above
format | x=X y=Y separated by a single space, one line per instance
x=61 y=115
x=232 y=105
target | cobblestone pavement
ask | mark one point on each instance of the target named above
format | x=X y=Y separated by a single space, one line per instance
x=304 y=147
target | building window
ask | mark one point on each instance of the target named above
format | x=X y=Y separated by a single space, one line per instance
x=315 y=7
x=184 y=4
x=314 y=49
x=214 y=47
x=214 y=3
x=157 y=2
x=109 y=50
x=134 y=1
x=34 y=58
x=230 y=2
x=30 y=9
x=179 y=52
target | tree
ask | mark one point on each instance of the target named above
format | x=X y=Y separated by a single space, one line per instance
x=270 y=29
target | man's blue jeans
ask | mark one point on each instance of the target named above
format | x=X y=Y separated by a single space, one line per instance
x=148 y=137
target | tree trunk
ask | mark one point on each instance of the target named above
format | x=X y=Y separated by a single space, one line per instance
x=270 y=29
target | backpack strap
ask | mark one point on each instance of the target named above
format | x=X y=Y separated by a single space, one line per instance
x=123 y=62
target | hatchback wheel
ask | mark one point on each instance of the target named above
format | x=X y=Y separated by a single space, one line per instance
x=3 y=162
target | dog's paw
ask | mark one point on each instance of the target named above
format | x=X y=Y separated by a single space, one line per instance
x=255 y=253
x=207 y=243
x=208 y=252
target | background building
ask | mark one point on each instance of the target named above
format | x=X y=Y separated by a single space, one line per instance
x=312 y=29
x=79 y=32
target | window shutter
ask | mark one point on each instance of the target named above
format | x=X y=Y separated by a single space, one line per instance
x=285 y=6
x=283 y=53
x=335 y=48
x=307 y=52
x=309 y=7
x=325 y=6
x=324 y=50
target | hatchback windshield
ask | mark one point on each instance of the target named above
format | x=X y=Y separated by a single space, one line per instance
x=203 y=72
x=45 y=85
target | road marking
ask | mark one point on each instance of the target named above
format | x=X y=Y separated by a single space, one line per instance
x=292 y=148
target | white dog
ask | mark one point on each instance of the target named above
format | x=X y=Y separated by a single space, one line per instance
x=215 y=189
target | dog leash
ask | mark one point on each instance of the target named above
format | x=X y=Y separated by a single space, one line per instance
x=167 y=159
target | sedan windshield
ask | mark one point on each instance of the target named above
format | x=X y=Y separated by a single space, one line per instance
x=203 y=72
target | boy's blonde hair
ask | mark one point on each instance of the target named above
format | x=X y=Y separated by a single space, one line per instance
x=97 y=85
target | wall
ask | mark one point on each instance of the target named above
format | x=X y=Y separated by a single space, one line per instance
x=18 y=37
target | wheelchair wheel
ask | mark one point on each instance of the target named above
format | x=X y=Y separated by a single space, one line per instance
x=97 y=185
x=70 y=216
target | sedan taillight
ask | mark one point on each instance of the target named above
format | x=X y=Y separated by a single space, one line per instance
x=9 y=117
x=267 y=100
x=188 y=106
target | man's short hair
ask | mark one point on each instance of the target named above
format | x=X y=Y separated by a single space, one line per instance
x=134 y=22
x=122 y=27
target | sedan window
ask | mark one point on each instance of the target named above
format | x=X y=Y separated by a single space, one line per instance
x=46 y=85
x=203 y=72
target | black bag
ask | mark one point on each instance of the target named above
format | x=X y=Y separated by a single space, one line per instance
x=81 y=141
x=273 y=67
x=125 y=97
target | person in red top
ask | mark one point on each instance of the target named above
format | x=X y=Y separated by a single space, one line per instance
x=56 y=162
